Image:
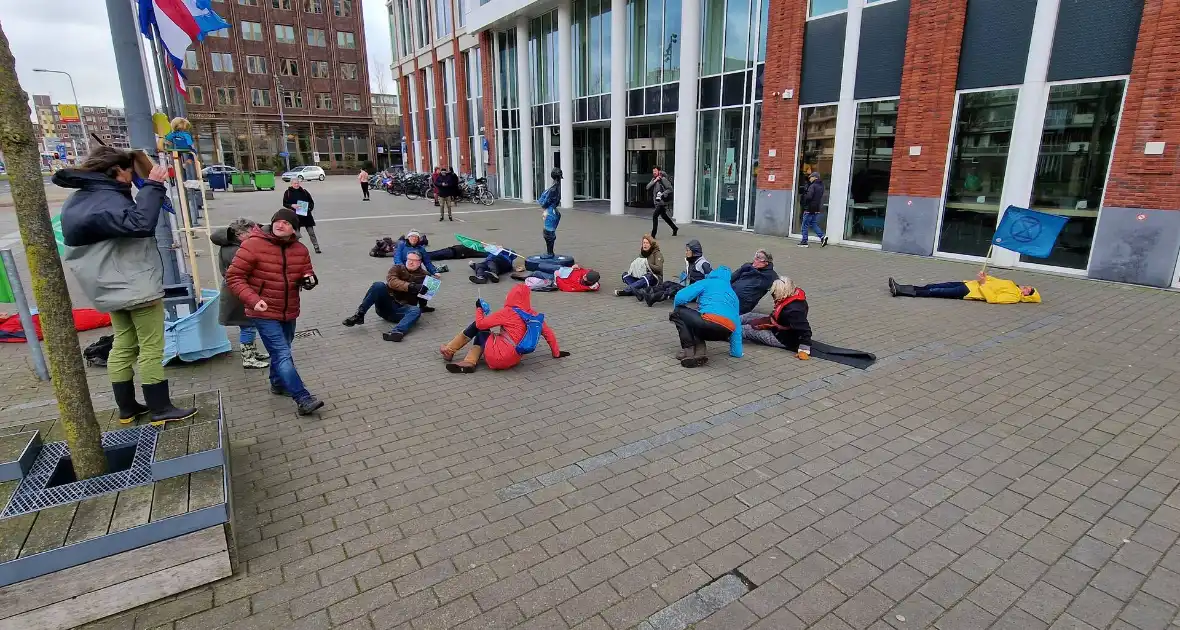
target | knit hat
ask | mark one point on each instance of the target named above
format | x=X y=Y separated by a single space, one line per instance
x=413 y=233
x=591 y=278
x=288 y=215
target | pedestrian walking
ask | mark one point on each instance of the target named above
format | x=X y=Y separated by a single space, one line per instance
x=813 y=204
x=363 y=178
x=292 y=198
x=231 y=312
x=661 y=188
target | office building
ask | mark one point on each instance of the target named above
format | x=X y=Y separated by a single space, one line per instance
x=924 y=118
x=387 y=130
x=301 y=62
x=108 y=123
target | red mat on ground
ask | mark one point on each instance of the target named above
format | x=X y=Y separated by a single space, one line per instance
x=84 y=319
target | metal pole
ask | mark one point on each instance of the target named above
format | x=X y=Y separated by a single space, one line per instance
x=26 y=317
x=283 y=125
x=81 y=117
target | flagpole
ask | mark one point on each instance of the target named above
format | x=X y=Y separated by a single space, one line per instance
x=989 y=257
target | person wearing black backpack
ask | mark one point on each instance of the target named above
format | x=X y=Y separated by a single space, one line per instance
x=661 y=188
x=500 y=351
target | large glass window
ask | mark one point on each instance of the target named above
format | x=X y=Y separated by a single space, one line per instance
x=707 y=165
x=422 y=21
x=653 y=44
x=737 y=34
x=472 y=65
x=1073 y=163
x=449 y=113
x=872 y=162
x=442 y=18
x=983 y=133
x=713 y=38
x=824 y=7
x=507 y=116
x=543 y=57
x=817 y=149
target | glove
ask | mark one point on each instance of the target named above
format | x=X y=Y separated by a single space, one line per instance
x=309 y=282
x=561 y=355
x=804 y=353
x=416 y=288
x=483 y=305
x=422 y=289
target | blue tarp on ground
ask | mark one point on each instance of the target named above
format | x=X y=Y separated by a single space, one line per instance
x=199 y=335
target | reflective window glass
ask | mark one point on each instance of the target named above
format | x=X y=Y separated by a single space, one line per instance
x=872 y=162
x=817 y=149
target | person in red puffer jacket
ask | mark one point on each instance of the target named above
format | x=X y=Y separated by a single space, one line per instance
x=498 y=349
x=267 y=274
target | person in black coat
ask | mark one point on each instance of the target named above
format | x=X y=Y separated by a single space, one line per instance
x=752 y=280
x=787 y=326
x=291 y=198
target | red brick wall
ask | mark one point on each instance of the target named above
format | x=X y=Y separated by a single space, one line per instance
x=1151 y=113
x=440 y=121
x=424 y=144
x=928 y=79
x=461 y=111
x=780 y=118
x=486 y=51
x=403 y=98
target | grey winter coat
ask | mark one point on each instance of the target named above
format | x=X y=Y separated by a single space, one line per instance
x=660 y=185
x=231 y=311
x=110 y=239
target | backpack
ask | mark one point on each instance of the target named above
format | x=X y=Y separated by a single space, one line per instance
x=532 y=332
x=96 y=353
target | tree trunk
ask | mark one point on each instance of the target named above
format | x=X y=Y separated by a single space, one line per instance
x=18 y=141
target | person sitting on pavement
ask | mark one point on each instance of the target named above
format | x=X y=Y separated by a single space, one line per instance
x=646 y=271
x=501 y=351
x=752 y=280
x=414 y=241
x=498 y=261
x=715 y=319
x=267 y=274
x=231 y=312
x=983 y=288
x=787 y=326
x=397 y=299
x=572 y=279
x=696 y=267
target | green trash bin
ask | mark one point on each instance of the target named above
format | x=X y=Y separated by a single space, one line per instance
x=242 y=182
x=264 y=180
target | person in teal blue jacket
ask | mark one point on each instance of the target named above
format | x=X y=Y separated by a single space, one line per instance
x=715 y=319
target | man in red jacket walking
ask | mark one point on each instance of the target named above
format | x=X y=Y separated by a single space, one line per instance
x=266 y=275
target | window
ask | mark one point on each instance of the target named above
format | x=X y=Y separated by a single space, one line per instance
x=227 y=96
x=190 y=60
x=352 y=102
x=817 y=149
x=286 y=34
x=323 y=100
x=221 y=62
x=422 y=22
x=196 y=95
x=442 y=18
x=248 y=3
x=292 y=99
x=316 y=37
x=252 y=31
x=342 y=8
x=289 y=67
x=222 y=33
x=824 y=7
x=1072 y=167
x=348 y=71
x=256 y=64
x=315 y=6
x=259 y=98
x=344 y=39
x=983 y=134
x=319 y=69
x=281 y=4
x=406 y=34
x=872 y=162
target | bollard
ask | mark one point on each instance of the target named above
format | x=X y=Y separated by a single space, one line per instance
x=26 y=317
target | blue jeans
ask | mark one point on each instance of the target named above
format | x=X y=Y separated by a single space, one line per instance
x=247 y=334
x=391 y=311
x=948 y=290
x=811 y=219
x=641 y=282
x=277 y=337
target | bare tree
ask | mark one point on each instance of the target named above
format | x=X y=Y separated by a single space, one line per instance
x=19 y=144
x=386 y=124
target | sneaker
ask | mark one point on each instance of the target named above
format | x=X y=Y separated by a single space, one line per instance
x=393 y=335
x=440 y=219
x=620 y=293
x=443 y=268
x=252 y=362
x=450 y=217
x=309 y=406
x=471 y=263
x=477 y=279
x=493 y=276
x=802 y=244
x=823 y=241
x=353 y=320
x=317 y=247
x=278 y=390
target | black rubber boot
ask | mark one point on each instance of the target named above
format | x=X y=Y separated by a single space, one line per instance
x=624 y=292
x=354 y=319
x=129 y=408
x=652 y=296
x=903 y=290
x=161 y=406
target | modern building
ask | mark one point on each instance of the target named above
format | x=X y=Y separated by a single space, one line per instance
x=924 y=118
x=387 y=130
x=107 y=123
x=298 y=62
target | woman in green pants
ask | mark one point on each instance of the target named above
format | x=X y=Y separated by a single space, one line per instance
x=111 y=249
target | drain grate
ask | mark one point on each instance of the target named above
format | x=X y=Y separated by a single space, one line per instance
x=308 y=334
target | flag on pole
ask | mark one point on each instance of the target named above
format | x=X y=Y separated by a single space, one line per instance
x=6 y=296
x=180 y=24
x=1028 y=232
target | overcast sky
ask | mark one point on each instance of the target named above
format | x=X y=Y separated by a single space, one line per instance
x=75 y=36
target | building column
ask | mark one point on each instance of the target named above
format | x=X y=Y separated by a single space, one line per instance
x=929 y=77
x=618 y=107
x=525 y=98
x=487 y=58
x=440 y=114
x=845 y=126
x=684 y=179
x=1138 y=235
x=565 y=99
x=403 y=97
x=463 y=122
x=425 y=155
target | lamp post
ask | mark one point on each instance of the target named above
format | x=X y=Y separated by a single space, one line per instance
x=81 y=118
x=282 y=124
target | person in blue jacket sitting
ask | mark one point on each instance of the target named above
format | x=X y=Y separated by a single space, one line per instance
x=715 y=319
x=413 y=241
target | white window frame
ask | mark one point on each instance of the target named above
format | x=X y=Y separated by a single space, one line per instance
x=821 y=16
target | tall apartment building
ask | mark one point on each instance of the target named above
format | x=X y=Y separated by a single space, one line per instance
x=302 y=61
x=925 y=118
x=108 y=123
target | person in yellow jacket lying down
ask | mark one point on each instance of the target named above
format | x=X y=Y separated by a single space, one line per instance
x=984 y=288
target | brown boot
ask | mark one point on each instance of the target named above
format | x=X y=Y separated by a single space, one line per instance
x=467 y=365
x=684 y=354
x=698 y=357
x=449 y=349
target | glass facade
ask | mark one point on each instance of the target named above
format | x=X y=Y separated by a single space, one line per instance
x=450 y=114
x=443 y=23
x=473 y=68
x=653 y=57
x=975 y=179
x=1073 y=163
x=591 y=34
x=412 y=133
x=543 y=58
x=817 y=8
x=872 y=163
x=591 y=162
x=431 y=107
x=507 y=115
x=817 y=150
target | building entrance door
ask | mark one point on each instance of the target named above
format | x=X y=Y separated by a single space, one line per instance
x=648 y=146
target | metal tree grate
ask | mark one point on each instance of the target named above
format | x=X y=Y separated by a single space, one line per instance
x=33 y=495
x=308 y=334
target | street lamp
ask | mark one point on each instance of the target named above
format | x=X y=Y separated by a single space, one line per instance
x=81 y=118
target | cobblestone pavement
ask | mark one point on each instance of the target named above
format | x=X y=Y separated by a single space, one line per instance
x=1001 y=466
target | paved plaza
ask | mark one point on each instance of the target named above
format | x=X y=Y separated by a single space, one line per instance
x=1001 y=466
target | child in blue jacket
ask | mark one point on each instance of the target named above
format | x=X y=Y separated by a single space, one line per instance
x=549 y=200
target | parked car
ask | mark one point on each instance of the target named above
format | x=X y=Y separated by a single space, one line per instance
x=218 y=168
x=302 y=173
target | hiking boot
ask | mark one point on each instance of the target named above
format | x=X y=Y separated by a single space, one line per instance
x=652 y=296
x=161 y=406
x=278 y=390
x=443 y=268
x=129 y=408
x=260 y=351
x=467 y=365
x=317 y=247
x=684 y=354
x=892 y=287
x=449 y=349
x=698 y=357
x=354 y=319
x=904 y=290
x=393 y=335
x=309 y=406
x=493 y=276
x=478 y=279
